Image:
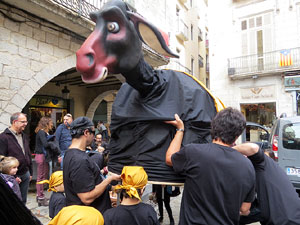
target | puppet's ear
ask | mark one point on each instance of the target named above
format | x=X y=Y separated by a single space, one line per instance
x=151 y=36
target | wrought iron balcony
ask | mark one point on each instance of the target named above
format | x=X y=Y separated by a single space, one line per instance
x=264 y=64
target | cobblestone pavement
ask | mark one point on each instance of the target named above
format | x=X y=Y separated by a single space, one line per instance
x=42 y=212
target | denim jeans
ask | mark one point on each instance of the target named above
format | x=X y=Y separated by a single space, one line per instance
x=24 y=185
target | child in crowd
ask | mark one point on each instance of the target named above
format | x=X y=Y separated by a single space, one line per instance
x=131 y=209
x=78 y=215
x=8 y=168
x=57 y=199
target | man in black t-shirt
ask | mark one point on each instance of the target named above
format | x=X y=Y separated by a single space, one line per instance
x=84 y=184
x=278 y=201
x=220 y=182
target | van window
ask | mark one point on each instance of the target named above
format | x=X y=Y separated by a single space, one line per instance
x=291 y=136
x=256 y=134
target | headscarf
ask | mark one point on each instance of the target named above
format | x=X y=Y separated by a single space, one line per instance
x=79 y=215
x=133 y=178
x=55 y=180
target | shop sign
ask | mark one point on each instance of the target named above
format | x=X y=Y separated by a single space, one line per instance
x=48 y=101
x=256 y=93
x=292 y=81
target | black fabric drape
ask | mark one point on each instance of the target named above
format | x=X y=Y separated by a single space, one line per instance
x=139 y=135
x=12 y=209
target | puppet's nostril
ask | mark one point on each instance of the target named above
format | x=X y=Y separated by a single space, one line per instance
x=91 y=58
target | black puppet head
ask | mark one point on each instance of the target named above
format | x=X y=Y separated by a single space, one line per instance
x=115 y=46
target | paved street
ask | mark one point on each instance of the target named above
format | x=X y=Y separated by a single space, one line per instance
x=42 y=212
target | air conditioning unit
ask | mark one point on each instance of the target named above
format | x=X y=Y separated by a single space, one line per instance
x=231 y=71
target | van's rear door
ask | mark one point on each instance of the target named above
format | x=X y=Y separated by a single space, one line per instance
x=289 y=149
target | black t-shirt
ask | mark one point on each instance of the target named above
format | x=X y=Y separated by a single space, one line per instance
x=278 y=201
x=218 y=180
x=81 y=174
x=56 y=203
x=140 y=214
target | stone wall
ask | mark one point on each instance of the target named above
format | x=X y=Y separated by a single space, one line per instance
x=32 y=52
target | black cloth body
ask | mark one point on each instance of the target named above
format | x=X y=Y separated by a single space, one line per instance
x=139 y=135
x=81 y=174
x=140 y=214
x=97 y=157
x=56 y=203
x=12 y=209
x=218 y=180
x=278 y=201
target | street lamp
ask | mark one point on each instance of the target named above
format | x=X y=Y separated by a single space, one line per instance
x=65 y=93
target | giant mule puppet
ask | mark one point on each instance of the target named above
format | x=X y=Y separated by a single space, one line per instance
x=148 y=97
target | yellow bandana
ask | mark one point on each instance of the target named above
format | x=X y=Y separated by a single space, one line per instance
x=79 y=215
x=55 y=180
x=133 y=178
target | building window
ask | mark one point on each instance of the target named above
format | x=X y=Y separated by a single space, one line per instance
x=192 y=31
x=207 y=83
x=256 y=39
x=261 y=113
x=200 y=61
x=256 y=34
x=244 y=25
x=192 y=65
x=177 y=11
x=298 y=102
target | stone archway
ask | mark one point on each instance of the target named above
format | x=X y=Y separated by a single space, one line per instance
x=19 y=97
x=93 y=106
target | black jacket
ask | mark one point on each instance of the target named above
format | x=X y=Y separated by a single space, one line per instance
x=9 y=146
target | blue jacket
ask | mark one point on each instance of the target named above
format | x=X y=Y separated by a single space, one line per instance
x=63 y=137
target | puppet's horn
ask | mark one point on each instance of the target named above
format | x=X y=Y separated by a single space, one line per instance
x=151 y=36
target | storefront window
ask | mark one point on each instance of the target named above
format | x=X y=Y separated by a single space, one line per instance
x=40 y=106
x=261 y=113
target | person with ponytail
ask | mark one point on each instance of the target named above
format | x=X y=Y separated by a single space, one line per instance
x=41 y=144
x=131 y=209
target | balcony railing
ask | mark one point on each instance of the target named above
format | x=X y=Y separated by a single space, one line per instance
x=82 y=7
x=266 y=63
x=176 y=65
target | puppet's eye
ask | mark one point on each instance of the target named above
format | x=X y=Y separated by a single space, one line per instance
x=113 y=27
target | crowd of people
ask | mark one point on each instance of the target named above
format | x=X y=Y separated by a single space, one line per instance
x=220 y=182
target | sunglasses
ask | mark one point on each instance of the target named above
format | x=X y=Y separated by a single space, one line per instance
x=92 y=131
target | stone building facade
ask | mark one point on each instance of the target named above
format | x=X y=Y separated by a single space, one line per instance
x=255 y=50
x=32 y=52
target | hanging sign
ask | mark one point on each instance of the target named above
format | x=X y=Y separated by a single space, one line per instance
x=48 y=101
x=292 y=81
